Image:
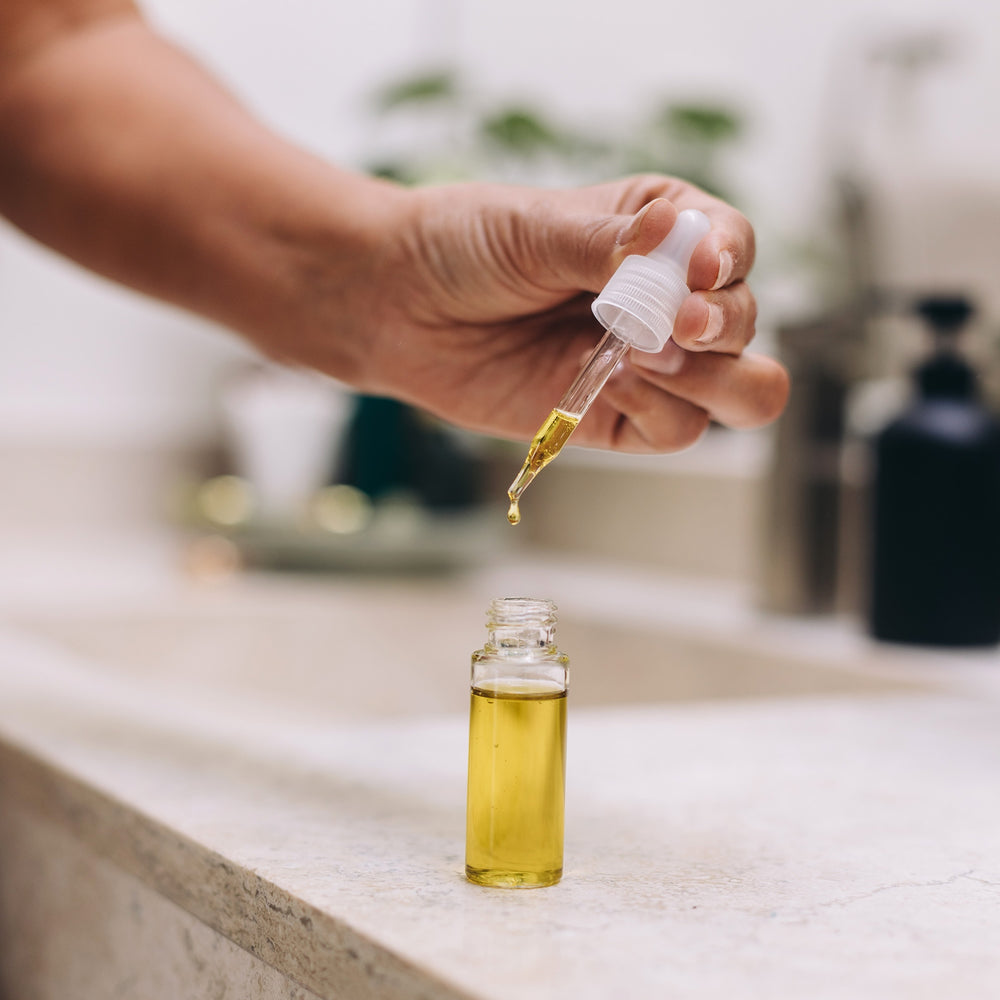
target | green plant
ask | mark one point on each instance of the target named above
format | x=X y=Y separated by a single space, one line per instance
x=448 y=133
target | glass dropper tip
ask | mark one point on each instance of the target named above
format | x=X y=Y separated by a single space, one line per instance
x=517 y=487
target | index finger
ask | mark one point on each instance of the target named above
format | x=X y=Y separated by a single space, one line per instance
x=726 y=254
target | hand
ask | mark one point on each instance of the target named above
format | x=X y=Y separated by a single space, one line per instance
x=481 y=313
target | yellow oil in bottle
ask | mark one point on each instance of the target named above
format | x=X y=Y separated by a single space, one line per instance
x=517 y=762
x=545 y=445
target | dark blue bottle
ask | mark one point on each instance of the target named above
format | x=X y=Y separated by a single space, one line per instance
x=936 y=518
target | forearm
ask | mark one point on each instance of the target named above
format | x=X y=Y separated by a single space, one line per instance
x=119 y=151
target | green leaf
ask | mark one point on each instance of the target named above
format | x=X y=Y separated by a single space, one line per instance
x=700 y=122
x=389 y=171
x=425 y=88
x=518 y=130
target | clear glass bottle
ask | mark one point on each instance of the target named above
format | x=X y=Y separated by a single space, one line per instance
x=517 y=749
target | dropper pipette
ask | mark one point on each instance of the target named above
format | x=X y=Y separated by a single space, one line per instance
x=562 y=421
x=637 y=308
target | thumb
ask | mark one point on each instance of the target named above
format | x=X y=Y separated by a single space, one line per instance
x=585 y=254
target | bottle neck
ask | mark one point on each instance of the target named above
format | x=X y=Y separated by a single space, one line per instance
x=520 y=656
x=521 y=626
x=520 y=641
x=946 y=376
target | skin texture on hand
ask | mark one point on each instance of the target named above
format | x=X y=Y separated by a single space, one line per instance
x=471 y=301
x=491 y=307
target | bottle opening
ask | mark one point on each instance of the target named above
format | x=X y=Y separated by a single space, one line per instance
x=521 y=611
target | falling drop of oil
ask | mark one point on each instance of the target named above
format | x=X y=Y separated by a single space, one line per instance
x=545 y=445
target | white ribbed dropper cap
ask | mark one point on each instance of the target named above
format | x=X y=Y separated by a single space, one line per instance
x=640 y=302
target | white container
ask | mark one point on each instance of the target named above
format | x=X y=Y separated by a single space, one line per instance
x=284 y=430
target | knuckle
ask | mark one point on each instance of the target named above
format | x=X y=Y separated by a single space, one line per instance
x=769 y=401
x=593 y=243
x=646 y=187
x=740 y=318
x=750 y=321
x=683 y=429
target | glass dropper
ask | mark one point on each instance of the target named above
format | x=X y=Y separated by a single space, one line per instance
x=568 y=412
x=637 y=308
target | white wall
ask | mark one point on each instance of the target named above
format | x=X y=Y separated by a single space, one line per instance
x=81 y=359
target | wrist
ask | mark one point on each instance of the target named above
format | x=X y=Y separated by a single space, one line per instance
x=318 y=287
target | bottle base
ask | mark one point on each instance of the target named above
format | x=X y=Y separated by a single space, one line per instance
x=500 y=878
x=908 y=636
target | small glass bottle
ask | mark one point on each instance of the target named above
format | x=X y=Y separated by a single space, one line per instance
x=517 y=749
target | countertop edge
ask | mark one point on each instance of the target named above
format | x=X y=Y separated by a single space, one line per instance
x=313 y=948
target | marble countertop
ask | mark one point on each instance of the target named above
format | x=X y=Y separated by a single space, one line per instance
x=836 y=840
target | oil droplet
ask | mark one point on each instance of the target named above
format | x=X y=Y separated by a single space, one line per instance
x=544 y=447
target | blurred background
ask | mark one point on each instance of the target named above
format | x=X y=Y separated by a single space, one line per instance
x=860 y=138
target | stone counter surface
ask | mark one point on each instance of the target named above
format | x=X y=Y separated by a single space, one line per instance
x=826 y=845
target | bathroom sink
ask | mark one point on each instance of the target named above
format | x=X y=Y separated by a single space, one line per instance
x=621 y=665
x=376 y=650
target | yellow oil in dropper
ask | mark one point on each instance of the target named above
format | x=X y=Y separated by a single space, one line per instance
x=545 y=445
x=561 y=422
x=637 y=308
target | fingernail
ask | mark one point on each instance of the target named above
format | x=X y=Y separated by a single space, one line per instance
x=668 y=361
x=725 y=269
x=631 y=231
x=713 y=325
